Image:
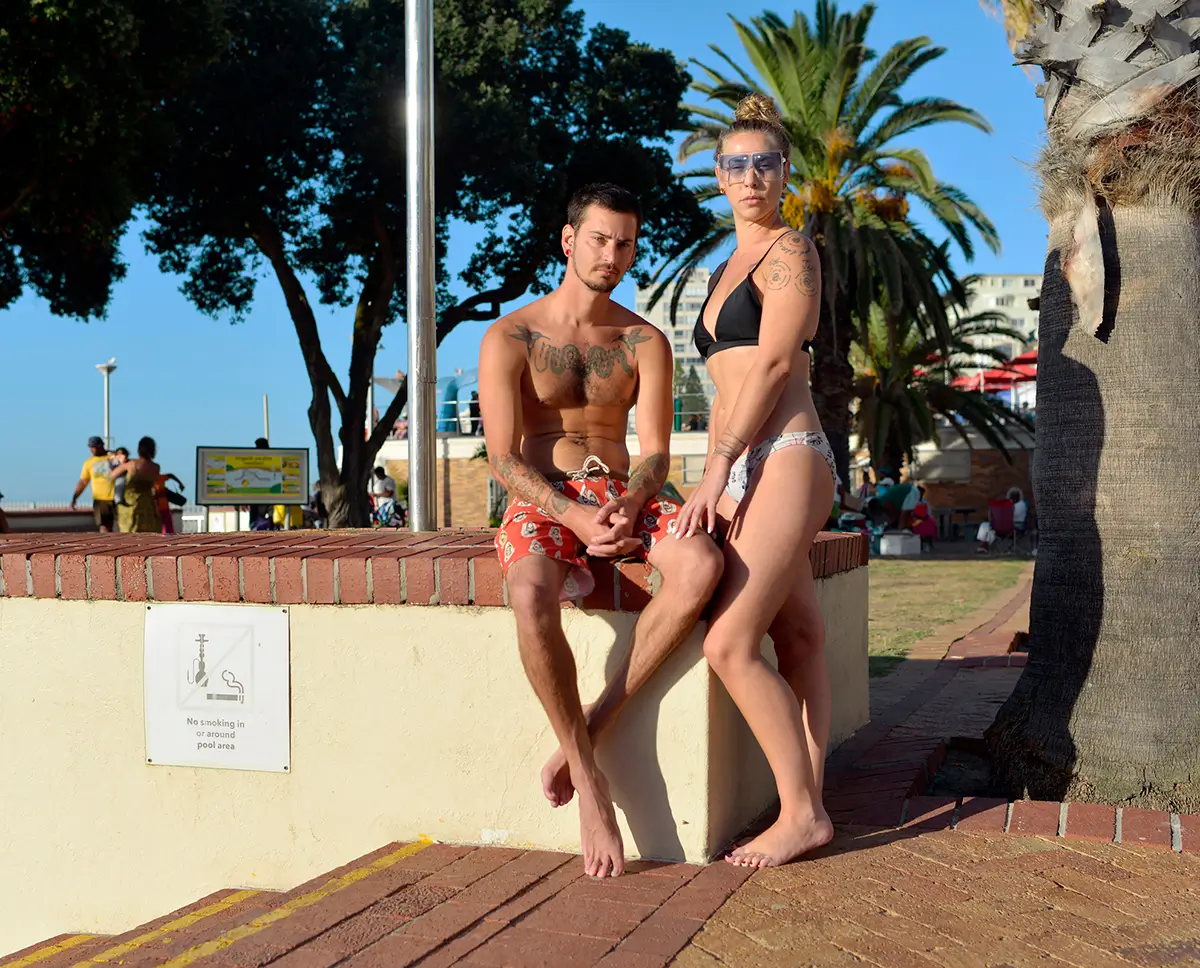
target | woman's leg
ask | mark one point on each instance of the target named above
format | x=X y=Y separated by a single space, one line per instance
x=799 y=636
x=769 y=539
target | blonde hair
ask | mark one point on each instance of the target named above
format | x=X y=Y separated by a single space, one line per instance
x=757 y=113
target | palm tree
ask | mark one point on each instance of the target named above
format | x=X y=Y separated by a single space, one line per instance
x=1108 y=707
x=852 y=181
x=907 y=380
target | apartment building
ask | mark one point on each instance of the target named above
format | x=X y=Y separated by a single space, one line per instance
x=1011 y=295
x=680 y=332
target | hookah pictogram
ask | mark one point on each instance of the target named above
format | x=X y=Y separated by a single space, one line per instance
x=198 y=674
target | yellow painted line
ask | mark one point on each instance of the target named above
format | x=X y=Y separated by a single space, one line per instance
x=50 y=950
x=233 y=935
x=186 y=921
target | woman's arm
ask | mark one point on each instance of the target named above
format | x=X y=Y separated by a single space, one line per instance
x=716 y=424
x=120 y=470
x=791 y=308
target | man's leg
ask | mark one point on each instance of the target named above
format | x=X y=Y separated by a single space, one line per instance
x=690 y=569
x=534 y=583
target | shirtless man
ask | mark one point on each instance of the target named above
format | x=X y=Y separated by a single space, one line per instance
x=556 y=382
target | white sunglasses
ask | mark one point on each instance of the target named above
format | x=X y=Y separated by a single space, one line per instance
x=768 y=165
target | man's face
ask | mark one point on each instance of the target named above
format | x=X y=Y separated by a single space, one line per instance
x=602 y=249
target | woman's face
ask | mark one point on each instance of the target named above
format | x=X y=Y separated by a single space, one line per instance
x=752 y=172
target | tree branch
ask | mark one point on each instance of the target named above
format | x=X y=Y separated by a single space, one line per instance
x=10 y=210
x=388 y=420
x=266 y=235
x=484 y=306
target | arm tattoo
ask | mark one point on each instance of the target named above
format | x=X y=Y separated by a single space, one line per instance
x=730 y=445
x=527 y=484
x=650 y=475
x=806 y=280
x=598 y=361
x=778 y=274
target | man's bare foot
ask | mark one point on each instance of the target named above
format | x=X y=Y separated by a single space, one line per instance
x=603 y=851
x=784 y=841
x=556 y=780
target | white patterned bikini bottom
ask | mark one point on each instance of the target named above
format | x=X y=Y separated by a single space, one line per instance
x=745 y=466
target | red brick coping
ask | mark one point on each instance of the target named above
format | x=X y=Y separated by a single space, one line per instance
x=349 y=567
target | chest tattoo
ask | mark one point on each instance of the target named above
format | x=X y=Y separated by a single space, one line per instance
x=576 y=361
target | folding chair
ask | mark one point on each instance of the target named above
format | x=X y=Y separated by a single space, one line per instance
x=1000 y=517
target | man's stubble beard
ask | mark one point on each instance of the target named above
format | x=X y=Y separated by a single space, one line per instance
x=600 y=287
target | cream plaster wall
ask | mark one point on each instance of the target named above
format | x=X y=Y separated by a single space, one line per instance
x=406 y=722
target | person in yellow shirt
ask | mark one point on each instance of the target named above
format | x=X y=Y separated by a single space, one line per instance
x=96 y=471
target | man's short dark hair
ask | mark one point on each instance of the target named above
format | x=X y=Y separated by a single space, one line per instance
x=606 y=195
x=380 y=473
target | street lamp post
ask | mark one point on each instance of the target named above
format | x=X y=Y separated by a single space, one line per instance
x=106 y=369
x=422 y=363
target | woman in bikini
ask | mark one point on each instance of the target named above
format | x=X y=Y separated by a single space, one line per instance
x=770 y=480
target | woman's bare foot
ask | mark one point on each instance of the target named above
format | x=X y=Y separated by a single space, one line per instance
x=603 y=851
x=784 y=841
x=556 y=780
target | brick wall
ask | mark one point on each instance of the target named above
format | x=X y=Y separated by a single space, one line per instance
x=991 y=477
x=350 y=567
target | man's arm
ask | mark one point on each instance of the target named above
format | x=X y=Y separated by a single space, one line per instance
x=80 y=485
x=655 y=410
x=500 y=367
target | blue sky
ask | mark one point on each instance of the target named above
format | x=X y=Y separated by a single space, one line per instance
x=188 y=380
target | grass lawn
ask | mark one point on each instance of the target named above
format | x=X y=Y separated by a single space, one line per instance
x=909 y=599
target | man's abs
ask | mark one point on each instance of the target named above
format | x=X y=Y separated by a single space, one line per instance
x=556 y=454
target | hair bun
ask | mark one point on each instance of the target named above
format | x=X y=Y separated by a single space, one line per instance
x=757 y=107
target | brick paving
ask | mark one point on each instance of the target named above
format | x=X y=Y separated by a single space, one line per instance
x=909 y=880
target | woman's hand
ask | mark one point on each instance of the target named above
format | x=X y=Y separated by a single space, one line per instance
x=700 y=511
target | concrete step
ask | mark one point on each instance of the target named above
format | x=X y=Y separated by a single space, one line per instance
x=425 y=903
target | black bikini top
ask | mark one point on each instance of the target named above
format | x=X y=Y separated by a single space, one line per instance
x=740 y=317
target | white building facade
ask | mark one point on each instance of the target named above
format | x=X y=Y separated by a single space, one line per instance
x=1008 y=294
x=680 y=332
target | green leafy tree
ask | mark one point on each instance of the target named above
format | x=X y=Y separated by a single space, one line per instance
x=81 y=131
x=906 y=382
x=853 y=180
x=1107 y=709
x=290 y=156
x=695 y=403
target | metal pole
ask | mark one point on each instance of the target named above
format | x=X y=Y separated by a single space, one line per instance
x=266 y=420
x=106 y=369
x=422 y=363
x=107 y=401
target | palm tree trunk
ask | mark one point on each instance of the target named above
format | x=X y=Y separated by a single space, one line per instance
x=833 y=379
x=1108 y=708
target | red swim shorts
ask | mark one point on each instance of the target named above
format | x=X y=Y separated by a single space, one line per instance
x=528 y=530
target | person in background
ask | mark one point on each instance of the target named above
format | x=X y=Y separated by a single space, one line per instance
x=923 y=524
x=117 y=458
x=163 y=503
x=97 y=473
x=383 y=497
x=987 y=534
x=473 y=408
x=260 y=514
x=137 y=511
x=4 y=528
x=897 y=500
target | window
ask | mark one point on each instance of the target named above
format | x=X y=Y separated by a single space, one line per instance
x=680 y=347
x=693 y=470
x=1004 y=300
x=1030 y=283
x=1006 y=283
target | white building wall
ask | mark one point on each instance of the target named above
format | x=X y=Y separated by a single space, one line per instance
x=1008 y=294
x=680 y=332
